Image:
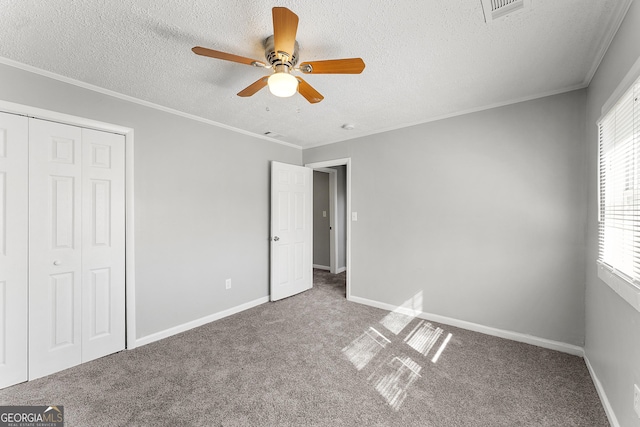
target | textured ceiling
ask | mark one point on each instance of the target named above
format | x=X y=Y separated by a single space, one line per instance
x=424 y=59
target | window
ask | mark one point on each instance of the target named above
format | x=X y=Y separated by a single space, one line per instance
x=619 y=186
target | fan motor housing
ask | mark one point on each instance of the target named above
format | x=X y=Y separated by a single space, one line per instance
x=280 y=58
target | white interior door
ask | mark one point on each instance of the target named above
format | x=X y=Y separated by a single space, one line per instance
x=13 y=248
x=55 y=255
x=291 y=230
x=103 y=244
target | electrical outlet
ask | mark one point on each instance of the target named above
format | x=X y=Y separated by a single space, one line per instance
x=636 y=399
x=227 y=284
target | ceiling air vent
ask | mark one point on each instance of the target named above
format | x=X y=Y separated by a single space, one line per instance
x=273 y=134
x=496 y=9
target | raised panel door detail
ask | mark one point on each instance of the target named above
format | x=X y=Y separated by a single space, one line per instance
x=100 y=156
x=284 y=256
x=62 y=150
x=298 y=253
x=63 y=212
x=62 y=310
x=283 y=177
x=300 y=210
x=101 y=212
x=100 y=302
x=283 y=211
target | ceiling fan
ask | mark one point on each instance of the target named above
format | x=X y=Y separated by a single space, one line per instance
x=281 y=52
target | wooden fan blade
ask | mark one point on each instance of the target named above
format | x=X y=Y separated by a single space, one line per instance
x=285 y=26
x=254 y=87
x=333 y=66
x=306 y=90
x=226 y=56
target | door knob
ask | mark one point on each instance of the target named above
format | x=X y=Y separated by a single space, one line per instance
x=57 y=262
x=276 y=238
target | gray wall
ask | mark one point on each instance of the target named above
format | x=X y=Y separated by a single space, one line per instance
x=612 y=326
x=201 y=202
x=483 y=215
x=321 y=246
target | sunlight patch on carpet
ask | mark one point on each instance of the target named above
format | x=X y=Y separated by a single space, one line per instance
x=399 y=318
x=364 y=348
x=396 y=322
x=441 y=349
x=423 y=337
x=396 y=371
x=393 y=379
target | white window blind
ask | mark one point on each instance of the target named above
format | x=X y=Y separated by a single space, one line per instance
x=619 y=185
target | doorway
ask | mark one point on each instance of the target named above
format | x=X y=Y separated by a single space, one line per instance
x=334 y=228
x=326 y=231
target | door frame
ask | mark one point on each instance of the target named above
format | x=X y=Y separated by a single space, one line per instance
x=333 y=216
x=130 y=293
x=340 y=162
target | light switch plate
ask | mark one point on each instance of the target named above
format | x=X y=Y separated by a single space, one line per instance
x=636 y=399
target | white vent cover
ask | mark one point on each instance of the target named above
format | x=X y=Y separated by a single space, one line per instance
x=273 y=134
x=496 y=9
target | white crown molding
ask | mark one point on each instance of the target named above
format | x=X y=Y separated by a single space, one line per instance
x=108 y=92
x=456 y=114
x=607 y=38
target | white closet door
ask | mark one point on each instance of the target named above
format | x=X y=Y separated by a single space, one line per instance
x=13 y=249
x=103 y=244
x=77 y=246
x=55 y=254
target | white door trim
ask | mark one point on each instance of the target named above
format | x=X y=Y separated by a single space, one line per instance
x=339 y=162
x=39 y=113
x=333 y=217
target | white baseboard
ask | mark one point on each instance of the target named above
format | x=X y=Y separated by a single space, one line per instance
x=198 y=322
x=324 y=267
x=603 y=396
x=514 y=336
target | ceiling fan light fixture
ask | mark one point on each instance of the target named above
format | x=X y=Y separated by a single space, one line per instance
x=282 y=84
x=281 y=52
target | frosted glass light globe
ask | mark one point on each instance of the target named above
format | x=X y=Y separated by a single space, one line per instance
x=282 y=84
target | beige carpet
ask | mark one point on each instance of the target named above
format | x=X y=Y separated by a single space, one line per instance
x=318 y=360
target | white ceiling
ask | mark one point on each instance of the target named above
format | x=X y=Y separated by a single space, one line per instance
x=424 y=59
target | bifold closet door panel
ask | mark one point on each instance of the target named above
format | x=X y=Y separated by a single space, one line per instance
x=103 y=244
x=55 y=252
x=13 y=248
x=76 y=246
